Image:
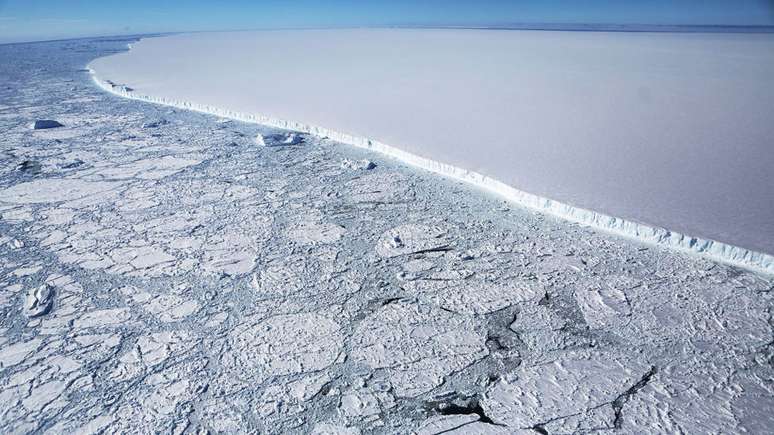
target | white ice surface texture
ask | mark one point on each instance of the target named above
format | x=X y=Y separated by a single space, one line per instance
x=671 y=130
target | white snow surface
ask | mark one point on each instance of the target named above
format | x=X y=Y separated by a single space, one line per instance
x=661 y=135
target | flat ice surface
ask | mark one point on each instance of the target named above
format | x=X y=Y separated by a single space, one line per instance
x=673 y=130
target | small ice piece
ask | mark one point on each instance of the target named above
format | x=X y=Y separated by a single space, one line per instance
x=412 y=239
x=17 y=244
x=155 y=124
x=280 y=139
x=30 y=166
x=42 y=124
x=39 y=301
x=292 y=139
x=362 y=165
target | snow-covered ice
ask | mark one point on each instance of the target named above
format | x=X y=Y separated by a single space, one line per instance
x=668 y=130
x=160 y=271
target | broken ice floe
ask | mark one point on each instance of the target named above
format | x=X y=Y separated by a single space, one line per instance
x=411 y=239
x=283 y=345
x=570 y=386
x=29 y=166
x=417 y=345
x=362 y=165
x=279 y=139
x=155 y=124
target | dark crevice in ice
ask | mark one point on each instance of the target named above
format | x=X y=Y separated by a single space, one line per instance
x=462 y=405
x=539 y=429
x=621 y=400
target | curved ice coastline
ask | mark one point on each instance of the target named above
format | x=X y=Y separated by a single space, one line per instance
x=711 y=249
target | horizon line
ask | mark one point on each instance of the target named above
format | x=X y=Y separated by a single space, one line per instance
x=548 y=26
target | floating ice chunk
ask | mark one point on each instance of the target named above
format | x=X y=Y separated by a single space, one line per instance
x=29 y=166
x=42 y=124
x=411 y=239
x=39 y=301
x=155 y=124
x=570 y=385
x=280 y=139
x=362 y=165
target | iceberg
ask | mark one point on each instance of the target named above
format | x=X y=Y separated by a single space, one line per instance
x=655 y=136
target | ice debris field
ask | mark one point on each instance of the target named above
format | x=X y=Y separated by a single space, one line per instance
x=664 y=137
x=167 y=271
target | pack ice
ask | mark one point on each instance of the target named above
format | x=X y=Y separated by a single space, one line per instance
x=163 y=272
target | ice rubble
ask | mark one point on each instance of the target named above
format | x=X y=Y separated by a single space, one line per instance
x=407 y=148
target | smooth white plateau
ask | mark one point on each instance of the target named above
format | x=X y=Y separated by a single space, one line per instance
x=669 y=133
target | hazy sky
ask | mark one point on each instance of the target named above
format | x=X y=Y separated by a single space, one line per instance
x=47 y=19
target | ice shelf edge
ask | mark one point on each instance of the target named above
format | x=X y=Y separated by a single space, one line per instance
x=705 y=248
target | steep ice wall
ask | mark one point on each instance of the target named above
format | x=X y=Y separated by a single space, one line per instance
x=670 y=130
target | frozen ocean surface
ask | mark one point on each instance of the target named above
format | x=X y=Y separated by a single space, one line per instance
x=671 y=130
x=162 y=272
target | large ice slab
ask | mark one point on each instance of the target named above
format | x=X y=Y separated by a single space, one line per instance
x=671 y=131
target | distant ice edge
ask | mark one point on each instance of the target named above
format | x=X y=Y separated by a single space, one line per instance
x=706 y=248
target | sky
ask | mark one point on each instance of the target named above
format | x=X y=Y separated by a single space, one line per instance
x=27 y=20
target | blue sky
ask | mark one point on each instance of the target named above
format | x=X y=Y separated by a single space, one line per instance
x=47 y=19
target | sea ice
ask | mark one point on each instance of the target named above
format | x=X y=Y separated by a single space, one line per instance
x=212 y=287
